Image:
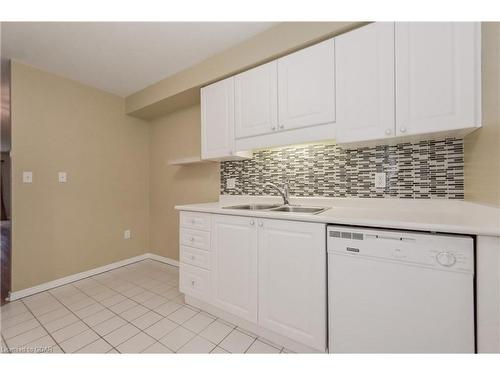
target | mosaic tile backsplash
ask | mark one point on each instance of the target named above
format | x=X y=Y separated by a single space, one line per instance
x=423 y=170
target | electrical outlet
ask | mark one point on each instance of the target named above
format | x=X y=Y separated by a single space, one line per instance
x=63 y=177
x=27 y=177
x=380 y=180
x=231 y=183
x=126 y=234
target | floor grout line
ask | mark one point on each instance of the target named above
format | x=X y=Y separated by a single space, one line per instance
x=108 y=308
x=249 y=346
x=41 y=325
x=127 y=275
x=71 y=311
x=5 y=342
x=86 y=322
x=129 y=322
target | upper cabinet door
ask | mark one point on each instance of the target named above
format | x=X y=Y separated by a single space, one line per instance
x=256 y=101
x=365 y=83
x=234 y=265
x=217 y=119
x=306 y=87
x=438 y=75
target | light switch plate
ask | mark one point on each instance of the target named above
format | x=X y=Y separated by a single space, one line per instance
x=27 y=177
x=231 y=183
x=380 y=180
x=63 y=177
x=126 y=234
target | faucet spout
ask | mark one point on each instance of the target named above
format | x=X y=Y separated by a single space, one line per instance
x=283 y=192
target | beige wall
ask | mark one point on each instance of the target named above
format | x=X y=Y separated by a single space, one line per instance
x=61 y=125
x=482 y=148
x=119 y=177
x=175 y=136
x=62 y=229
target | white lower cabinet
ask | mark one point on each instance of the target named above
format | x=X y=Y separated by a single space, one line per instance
x=194 y=255
x=271 y=273
x=292 y=280
x=234 y=265
x=194 y=281
x=488 y=294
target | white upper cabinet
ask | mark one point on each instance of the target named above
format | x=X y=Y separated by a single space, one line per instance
x=438 y=74
x=292 y=280
x=365 y=83
x=306 y=87
x=408 y=79
x=374 y=84
x=234 y=265
x=217 y=121
x=287 y=101
x=256 y=101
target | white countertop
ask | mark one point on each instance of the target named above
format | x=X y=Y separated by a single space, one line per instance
x=438 y=215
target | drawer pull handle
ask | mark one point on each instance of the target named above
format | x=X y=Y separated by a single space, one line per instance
x=192 y=257
x=191 y=239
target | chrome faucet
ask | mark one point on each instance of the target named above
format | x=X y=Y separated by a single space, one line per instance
x=283 y=192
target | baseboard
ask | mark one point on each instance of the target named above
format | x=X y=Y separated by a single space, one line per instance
x=162 y=259
x=265 y=333
x=83 y=275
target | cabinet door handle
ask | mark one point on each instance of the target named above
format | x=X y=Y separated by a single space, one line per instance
x=282 y=126
x=261 y=224
x=192 y=282
x=252 y=222
x=402 y=130
x=273 y=127
x=191 y=239
x=388 y=132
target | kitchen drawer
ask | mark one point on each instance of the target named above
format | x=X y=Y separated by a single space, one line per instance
x=195 y=238
x=195 y=220
x=195 y=257
x=194 y=281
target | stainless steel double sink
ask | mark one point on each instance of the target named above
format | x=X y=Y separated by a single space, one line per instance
x=279 y=208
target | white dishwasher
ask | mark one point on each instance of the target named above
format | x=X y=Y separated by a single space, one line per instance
x=399 y=292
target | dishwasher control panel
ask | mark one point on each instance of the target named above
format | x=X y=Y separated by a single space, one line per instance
x=447 y=252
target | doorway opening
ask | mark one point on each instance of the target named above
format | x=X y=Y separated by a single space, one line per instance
x=5 y=184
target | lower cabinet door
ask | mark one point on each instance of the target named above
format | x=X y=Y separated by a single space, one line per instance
x=292 y=280
x=234 y=265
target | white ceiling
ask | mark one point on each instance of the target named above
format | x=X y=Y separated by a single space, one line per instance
x=120 y=57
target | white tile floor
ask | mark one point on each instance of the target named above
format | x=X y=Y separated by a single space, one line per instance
x=133 y=309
